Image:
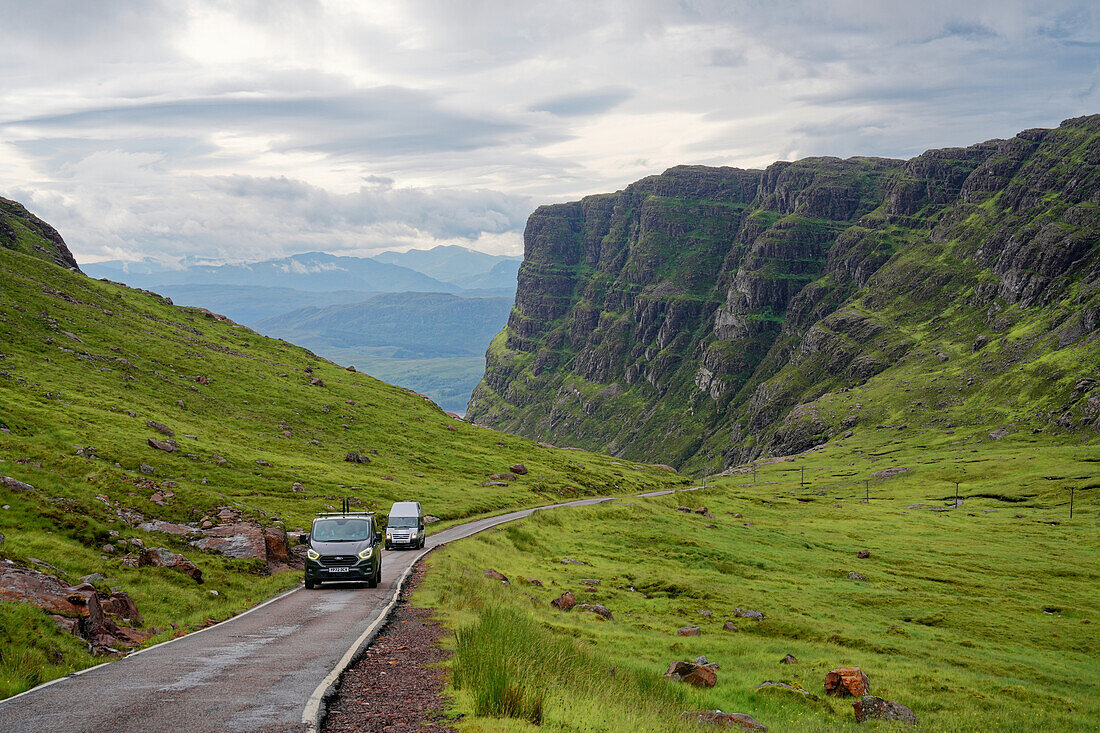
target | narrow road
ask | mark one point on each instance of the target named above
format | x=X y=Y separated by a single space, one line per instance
x=254 y=672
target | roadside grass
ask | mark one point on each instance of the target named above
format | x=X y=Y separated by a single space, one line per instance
x=78 y=355
x=978 y=617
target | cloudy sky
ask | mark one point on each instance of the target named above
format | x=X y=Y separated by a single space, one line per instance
x=254 y=129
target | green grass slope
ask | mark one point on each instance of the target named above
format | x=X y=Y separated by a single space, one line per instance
x=979 y=617
x=85 y=363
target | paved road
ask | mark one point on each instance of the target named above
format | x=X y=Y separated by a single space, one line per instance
x=255 y=672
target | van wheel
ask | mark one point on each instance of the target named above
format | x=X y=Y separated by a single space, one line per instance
x=374 y=578
x=310 y=585
x=422 y=543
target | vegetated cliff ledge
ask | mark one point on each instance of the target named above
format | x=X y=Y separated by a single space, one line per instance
x=24 y=232
x=706 y=316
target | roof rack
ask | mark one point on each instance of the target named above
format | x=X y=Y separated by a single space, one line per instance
x=347 y=512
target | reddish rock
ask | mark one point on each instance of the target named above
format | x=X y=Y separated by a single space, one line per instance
x=162 y=558
x=684 y=509
x=730 y=626
x=503 y=477
x=689 y=631
x=701 y=510
x=716 y=718
x=701 y=677
x=847 y=682
x=494 y=483
x=565 y=601
x=165 y=445
x=597 y=609
x=869 y=706
x=240 y=540
x=161 y=428
x=495 y=575
x=317 y=382
x=276 y=545
x=863 y=554
x=122 y=605
x=518 y=468
x=789 y=659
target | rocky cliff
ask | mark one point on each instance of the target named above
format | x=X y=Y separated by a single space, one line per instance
x=705 y=316
x=24 y=232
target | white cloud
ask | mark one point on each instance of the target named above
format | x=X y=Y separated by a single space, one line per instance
x=260 y=129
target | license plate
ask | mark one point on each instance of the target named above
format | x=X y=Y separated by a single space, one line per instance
x=337 y=570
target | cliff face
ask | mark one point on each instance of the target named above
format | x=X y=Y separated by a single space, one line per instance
x=705 y=316
x=24 y=232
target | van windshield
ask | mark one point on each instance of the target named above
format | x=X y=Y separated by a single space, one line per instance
x=340 y=530
x=403 y=522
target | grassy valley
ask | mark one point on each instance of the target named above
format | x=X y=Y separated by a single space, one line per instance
x=261 y=429
x=978 y=616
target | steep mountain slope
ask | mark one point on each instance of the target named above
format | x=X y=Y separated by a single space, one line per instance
x=127 y=423
x=22 y=231
x=709 y=315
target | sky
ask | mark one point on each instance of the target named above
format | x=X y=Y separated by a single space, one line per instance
x=185 y=131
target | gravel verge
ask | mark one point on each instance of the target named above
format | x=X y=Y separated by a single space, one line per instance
x=397 y=684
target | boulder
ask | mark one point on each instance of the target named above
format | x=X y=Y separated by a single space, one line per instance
x=263 y=462
x=730 y=626
x=596 y=608
x=239 y=540
x=317 y=382
x=787 y=687
x=856 y=577
x=692 y=630
x=356 y=457
x=122 y=605
x=161 y=428
x=847 y=682
x=869 y=706
x=789 y=659
x=696 y=675
x=161 y=557
x=495 y=575
x=748 y=613
x=503 y=477
x=565 y=601
x=571 y=561
x=518 y=468
x=169 y=445
x=684 y=509
x=15 y=484
x=718 y=719
x=276 y=545
x=702 y=510
x=863 y=554
x=218 y=459
x=494 y=483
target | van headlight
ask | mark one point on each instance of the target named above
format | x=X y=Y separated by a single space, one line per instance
x=313 y=554
x=365 y=554
x=413 y=534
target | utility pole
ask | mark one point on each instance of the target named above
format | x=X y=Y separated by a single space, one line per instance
x=754 y=473
x=956 y=493
x=867 y=489
x=1071 y=489
x=802 y=481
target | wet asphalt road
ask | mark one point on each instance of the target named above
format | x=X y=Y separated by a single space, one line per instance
x=254 y=672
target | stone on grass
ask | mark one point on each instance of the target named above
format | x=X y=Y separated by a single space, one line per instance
x=748 y=613
x=863 y=554
x=518 y=468
x=596 y=608
x=789 y=659
x=169 y=445
x=730 y=626
x=869 y=706
x=317 y=382
x=718 y=719
x=692 y=630
x=696 y=675
x=786 y=687
x=161 y=428
x=847 y=682
x=856 y=577
x=565 y=601
x=15 y=484
x=356 y=457
x=495 y=575
x=571 y=561
x=503 y=476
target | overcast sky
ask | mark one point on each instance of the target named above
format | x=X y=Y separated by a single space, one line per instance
x=251 y=130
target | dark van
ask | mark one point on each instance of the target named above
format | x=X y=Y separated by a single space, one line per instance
x=344 y=546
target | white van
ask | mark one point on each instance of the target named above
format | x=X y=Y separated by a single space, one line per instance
x=405 y=527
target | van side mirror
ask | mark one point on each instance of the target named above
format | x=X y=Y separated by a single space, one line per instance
x=303 y=539
x=377 y=537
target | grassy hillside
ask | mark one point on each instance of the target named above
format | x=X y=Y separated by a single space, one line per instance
x=978 y=617
x=85 y=363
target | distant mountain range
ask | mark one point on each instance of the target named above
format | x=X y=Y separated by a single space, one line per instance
x=422 y=319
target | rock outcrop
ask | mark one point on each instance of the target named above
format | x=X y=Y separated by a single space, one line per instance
x=16 y=222
x=702 y=315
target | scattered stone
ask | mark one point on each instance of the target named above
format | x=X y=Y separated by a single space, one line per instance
x=161 y=428
x=495 y=575
x=565 y=601
x=692 y=630
x=218 y=459
x=787 y=686
x=716 y=718
x=262 y=462
x=889 y=472
x=863 y=554
x=996 y=435
x=684 y=509
x=494 y=483
x=15 y=484
x=696 y=675
x=350 y=368
x=847 y=682
x=428 y=519
x=503 y=477
x=169 y=445
x=597 y=609
x=317 y=382
x=702 y=510
x=730 y=626
x=706 y=614
x=518 y=468
x=869 y=706
x=532 y=581
x=571 y=561
x=356 y=457
x=749 y=613
x=789 y=659
x=164 y=558
x=856 y=577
